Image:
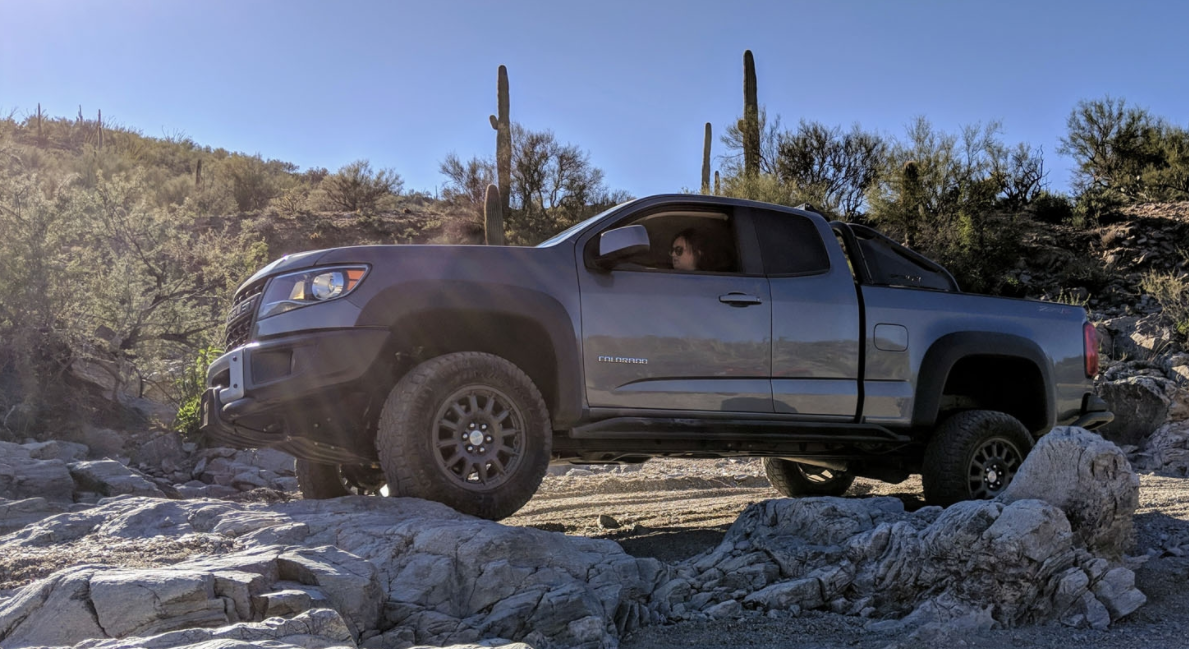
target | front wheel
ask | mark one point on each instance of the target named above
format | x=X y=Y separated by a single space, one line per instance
x=469 y=430
x=973 y=455
x=793 y=479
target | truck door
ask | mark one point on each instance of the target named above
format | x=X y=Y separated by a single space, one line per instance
x=815 y=317
x=662 y=338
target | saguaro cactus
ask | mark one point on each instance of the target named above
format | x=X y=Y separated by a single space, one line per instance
x=493 y=217
x=99 y=128
x=198 y=174
x=716 y=185
x=749 y=126
x=503 y=143
x=40 y=139
x=706 y=162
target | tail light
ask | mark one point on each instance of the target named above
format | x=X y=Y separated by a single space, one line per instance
x=1090 y=349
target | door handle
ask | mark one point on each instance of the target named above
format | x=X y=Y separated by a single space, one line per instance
x=739 y=299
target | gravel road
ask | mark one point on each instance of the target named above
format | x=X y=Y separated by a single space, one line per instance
x=676 y=509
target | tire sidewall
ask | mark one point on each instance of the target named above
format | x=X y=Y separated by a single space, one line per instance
x=407 y=437
x=951 y=451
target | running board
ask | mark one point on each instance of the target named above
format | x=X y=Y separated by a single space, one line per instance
x=734 y=430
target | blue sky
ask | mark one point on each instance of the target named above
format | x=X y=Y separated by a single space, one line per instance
x=405 y=83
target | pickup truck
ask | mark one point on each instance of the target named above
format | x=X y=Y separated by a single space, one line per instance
x=669 y=326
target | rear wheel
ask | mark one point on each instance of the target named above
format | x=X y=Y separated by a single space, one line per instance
x=794 y=479
x=469 y=430
x=973 y=455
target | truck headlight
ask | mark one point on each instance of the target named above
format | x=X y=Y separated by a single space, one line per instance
x=312 y=286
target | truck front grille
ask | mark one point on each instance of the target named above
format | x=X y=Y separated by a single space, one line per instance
x=241 y=316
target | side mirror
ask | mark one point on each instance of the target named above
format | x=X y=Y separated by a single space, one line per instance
x=621 y=243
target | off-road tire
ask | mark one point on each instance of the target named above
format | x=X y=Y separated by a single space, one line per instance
x=410 y=435
x=320 y=481
x=951 y=454
x=793 y=480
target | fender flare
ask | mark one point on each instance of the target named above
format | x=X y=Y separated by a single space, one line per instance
x=472 y=304
x=948 y=350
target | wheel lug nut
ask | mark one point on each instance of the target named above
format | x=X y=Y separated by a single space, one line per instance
x=470 y=448
x=489 y=439
x=483 y=427
x=472 y=425
x=482 y=450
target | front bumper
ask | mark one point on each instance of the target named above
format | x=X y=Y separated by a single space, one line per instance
x=275 y=393
x=1095 y=413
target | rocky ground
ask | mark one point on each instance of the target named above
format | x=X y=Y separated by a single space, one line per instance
x=670 y=553
x=677 y=509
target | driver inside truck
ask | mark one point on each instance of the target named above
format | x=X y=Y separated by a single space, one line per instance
x=686 y=250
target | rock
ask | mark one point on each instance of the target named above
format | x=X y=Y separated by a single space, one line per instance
x=22 y=477
x=15 y=514
x=110 y=478
x=1133 y=337
x=160 y=450
x=1141 y=405
x=104 y=442
x=52 y=612
x=283 y=603
x=398 y=569
x=1090 y=480
x=730 y=609
x=608 y=522
x=1117 y=592
x=1166 y=451
x=147 y=602
x=316 y=629
x=57 y=450
x=269 y=460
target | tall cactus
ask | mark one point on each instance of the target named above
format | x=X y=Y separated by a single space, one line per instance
x=493 y=217
x=749 y=126
x=717 y=187
x=198 y=174
x=706 y=162
x=503 y=143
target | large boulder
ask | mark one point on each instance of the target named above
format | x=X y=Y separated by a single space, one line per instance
x=1090 y=480
x=1141 y=405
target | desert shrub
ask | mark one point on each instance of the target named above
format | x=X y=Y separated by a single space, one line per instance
x=1172 y=292
x=293 y=201
x=251 y=184
x=357 y=186
x=1052 y=208
x=189 y=388
x=1097 y=205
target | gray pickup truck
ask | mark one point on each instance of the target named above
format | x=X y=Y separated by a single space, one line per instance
x=675 y=326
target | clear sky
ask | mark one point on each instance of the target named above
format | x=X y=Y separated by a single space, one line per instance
x=405 y=83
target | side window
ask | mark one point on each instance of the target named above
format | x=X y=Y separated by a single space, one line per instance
x=686 y=241
x=790 y=244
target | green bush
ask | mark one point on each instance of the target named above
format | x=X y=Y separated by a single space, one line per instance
x=1052 y=208
x=1172 y=292
x=190 y=386
x=357 y=186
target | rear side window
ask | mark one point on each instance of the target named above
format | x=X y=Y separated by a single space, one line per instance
x=790 y=244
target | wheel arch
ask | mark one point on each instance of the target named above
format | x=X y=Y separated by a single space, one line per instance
x=530 y=329
x=955 y=363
